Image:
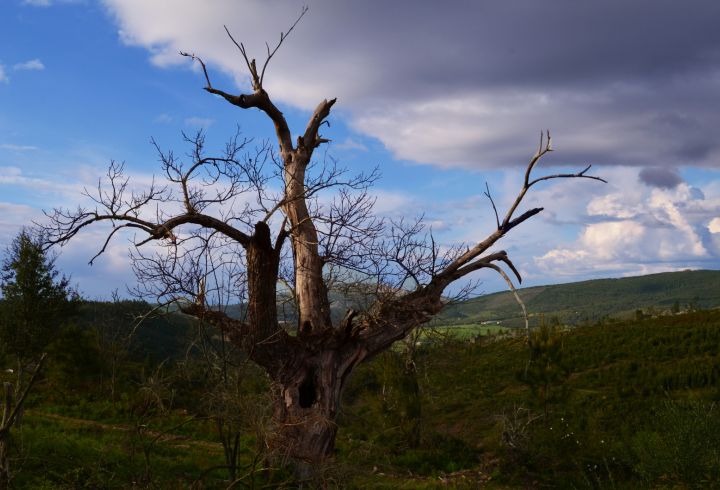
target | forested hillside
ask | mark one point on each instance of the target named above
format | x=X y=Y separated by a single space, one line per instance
x=591 y=301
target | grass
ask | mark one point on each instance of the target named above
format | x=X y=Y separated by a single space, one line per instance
x=62 y=452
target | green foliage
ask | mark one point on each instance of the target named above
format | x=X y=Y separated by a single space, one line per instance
x=681 y=444
x=75 y=360
x=546 y=372
x=70 y=453
x=676 y=307
x=621 y=376
x=36 y=302
x=156 y=338
x=468 y=331
x=440 y=454
x=401 y=399
x=220 y=385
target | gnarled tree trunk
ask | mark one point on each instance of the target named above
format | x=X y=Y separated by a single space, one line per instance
x=306 y=398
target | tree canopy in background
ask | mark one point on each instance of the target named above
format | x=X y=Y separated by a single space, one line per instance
x=36 y=299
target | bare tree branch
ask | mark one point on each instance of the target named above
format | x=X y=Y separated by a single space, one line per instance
x=489 y=196
x=517 y=296
x=202 y=64
x=283 y=36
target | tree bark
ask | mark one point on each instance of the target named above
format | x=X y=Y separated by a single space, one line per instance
x=310 y=290
x=262 y=270
x=306 y=398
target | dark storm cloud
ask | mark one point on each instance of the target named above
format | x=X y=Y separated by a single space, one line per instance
x=666 y=178
x=531 y=44
x=619 y=82
x=470 y=83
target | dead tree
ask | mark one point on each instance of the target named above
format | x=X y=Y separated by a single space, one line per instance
x=269 y=226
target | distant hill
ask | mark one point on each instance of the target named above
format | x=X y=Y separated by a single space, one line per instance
x=156 y=338
x=594 y=300
x=573 y=303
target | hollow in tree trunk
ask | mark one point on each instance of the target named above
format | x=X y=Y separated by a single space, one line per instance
x=306 y=398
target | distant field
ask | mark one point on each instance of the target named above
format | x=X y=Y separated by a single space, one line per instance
x=467 y=331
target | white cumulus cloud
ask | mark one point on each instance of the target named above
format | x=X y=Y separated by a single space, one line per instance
x=650 y=229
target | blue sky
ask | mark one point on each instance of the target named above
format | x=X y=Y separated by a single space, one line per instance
x=441 y=100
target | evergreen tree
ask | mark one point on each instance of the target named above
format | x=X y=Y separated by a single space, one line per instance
x=36 y=299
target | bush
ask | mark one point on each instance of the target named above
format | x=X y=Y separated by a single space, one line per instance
x=682 y=446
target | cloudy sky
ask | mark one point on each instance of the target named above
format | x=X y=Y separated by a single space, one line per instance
x=442 y=97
